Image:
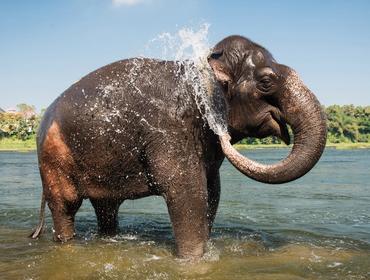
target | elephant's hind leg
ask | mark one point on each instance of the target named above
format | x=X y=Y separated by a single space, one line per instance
x=62 y=196
x=63 y=201
x=106 y=211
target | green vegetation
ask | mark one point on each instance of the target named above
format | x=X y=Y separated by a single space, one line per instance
x=348 y=124
x=18 y=129
x=20 y=125
x=14 y=144
x=338 y=146
x=348 y=127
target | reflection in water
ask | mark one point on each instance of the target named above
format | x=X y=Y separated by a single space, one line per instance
x=316 y=227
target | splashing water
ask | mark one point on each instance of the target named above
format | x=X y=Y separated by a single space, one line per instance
x=185 y=44
x=189 y=48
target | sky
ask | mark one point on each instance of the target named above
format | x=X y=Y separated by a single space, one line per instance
x=47 y=45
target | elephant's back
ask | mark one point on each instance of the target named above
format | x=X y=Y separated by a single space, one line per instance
x=125 y=86
x=108 y=110
x=124 y=93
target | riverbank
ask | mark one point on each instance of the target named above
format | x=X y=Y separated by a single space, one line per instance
x=16 y=145
x=339 y=146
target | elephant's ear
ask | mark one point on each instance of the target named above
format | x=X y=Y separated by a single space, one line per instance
x=222 y=72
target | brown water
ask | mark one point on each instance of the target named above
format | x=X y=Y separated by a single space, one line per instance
x=317 y=227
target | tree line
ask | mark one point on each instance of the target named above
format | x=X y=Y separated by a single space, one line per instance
x=22 y=124
x=346 y=124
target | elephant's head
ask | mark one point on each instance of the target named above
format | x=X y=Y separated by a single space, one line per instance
x=264 y=96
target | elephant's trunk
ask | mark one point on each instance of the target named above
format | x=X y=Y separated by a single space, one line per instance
x=304 y=114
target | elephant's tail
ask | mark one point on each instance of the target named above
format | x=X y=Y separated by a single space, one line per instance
x=39 y=229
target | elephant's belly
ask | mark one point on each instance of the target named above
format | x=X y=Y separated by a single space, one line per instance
x=120 y=181
x=130 y=190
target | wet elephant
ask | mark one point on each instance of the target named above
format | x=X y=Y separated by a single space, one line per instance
x=137 y=127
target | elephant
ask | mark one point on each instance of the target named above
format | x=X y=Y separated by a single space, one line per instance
x=141 y=127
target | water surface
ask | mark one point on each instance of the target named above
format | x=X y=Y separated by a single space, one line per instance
x=317 y=227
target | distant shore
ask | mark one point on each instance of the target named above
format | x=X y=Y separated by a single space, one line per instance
x=15 y=145
x=339 y=146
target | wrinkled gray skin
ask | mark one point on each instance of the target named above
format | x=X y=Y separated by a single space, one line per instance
x=135 y=128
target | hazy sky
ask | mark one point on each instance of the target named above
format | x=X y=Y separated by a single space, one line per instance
x=47 y=45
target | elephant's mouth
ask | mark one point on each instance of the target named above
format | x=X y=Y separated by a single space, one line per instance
x=272 y=124
x=278 y=126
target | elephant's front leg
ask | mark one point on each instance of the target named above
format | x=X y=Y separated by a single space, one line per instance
x=187 y=206
x=107 y=214
x=180 y=176
x=214 y=190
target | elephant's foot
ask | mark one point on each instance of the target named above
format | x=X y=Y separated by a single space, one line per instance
x=63 y=237
x=63 y=228
x=108 y=231
x=64 y=217
x=190 y=251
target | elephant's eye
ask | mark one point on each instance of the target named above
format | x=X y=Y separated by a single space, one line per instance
x=265 y=80
x=225 y=86
x=265 y=84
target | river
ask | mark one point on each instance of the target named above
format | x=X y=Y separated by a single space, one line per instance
x=317 y=227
